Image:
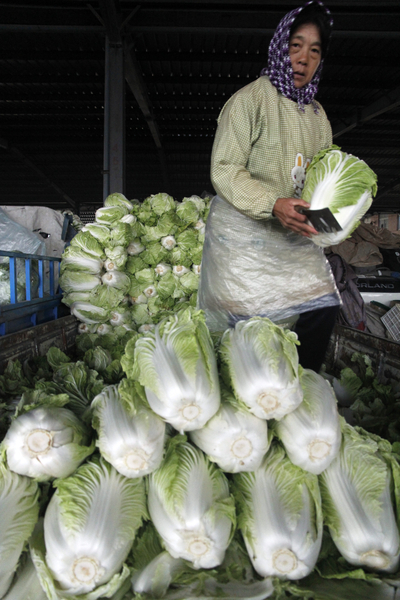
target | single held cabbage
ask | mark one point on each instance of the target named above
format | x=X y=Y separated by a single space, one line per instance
x=344 y=184
x=233 y=438
x=190 y=505
x=279 y=514
x=311 y=434
x=46 y=442
x=131 y=437
x=19 y=511
x=356 y=492
x=263 y=366
x=177 y=365
x=89 y=527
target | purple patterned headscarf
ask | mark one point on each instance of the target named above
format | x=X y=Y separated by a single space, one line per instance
x=279 y=68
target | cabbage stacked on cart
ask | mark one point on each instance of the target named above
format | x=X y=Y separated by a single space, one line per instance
x=136 y=261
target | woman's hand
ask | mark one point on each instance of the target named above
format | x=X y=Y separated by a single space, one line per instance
x=287 y=211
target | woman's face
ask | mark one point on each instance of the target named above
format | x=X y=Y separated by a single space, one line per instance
x=305 y=53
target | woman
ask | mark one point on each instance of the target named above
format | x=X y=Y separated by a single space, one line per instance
x=257 y=257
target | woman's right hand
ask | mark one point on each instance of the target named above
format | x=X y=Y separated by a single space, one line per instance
x=287 y=211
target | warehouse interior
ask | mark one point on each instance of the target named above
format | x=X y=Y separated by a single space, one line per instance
x=166 y=69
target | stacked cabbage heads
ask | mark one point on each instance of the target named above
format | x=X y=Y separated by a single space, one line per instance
x=344 y=184
x=169 y=463
x=135 y=262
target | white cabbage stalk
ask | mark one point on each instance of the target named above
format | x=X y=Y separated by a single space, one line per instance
x=128 y=219
x=279 y=511
x=89 y=527
x=19 y=510
x=146 y=327
x=119 y=317
x=135 y=248
x=169 y=242
x=178 y=367
x=357 y=503
x=85 y=328
x=263 y=365
x=311 y=434
x=180 y=270
x=117 y=279
x=130 y=437
x=200 y=226
x=190 y=505
x=196 y=269
x=111 y=265
x=162 y=268
x=104 y=328
x=233 y=438
x=150 y=291
x=26 y=584
x=141 y=299
x=46 y=442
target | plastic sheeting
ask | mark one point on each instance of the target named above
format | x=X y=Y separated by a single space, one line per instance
x=17 y=238
x=258 y=268
x=44 y=223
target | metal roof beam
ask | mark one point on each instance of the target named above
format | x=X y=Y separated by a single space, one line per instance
x=31 y=165
x=387 y=189
x=384 y=104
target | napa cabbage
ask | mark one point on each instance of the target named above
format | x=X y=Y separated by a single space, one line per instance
x=46 y=442
x=111 y=215
x=357 y=500
x=280 y=516
x=190 y=505
x=177 y=366
x=157 y=574
x=75 y=259
x=131 y=437
x=89 y=527
x=88 y=243
x=26 y=584
x=19 y=510
x=344 y=184
x=161 y=203
x=311 y=433
x=263 y=365
x=233 y=438
x=78 y=281
x=89 y=313
x=118 y=199
x=100 y=232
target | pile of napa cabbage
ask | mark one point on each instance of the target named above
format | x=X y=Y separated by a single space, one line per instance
x=173 y=463
x=135 y=261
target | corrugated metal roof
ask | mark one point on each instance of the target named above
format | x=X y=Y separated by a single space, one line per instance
x=191 y=57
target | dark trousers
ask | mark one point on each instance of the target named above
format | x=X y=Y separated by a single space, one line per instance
x=314 y=329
